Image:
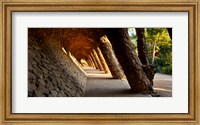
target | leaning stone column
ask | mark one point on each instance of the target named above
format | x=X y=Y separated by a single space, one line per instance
x=89 y=62
x=111 y=60
x=94 y=60
x=129 y=60
x=101 y=58
x=97 y=59
x=90 y=58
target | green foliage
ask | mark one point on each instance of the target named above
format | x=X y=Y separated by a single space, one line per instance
x=134 y=40
x=163 y=62
x=163 y=49
x=133 y=36
x=158 y=35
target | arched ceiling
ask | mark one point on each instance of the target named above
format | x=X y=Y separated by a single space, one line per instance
x=80 y=41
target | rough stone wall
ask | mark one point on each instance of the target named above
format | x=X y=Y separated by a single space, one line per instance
x=51 y=72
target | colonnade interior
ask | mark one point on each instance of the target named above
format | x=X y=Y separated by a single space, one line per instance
x=62 y=60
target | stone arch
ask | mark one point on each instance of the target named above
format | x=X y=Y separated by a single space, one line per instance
x=57 y=44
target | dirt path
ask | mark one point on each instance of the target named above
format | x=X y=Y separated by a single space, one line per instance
x=102 y=85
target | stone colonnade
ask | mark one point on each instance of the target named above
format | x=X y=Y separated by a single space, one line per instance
x=115 y=54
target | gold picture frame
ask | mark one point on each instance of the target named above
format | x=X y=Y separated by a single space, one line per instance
x=9 y=6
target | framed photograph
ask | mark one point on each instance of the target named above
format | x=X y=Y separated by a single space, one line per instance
x=99 y=62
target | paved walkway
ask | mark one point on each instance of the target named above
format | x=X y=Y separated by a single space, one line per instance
x=163 y=85
x=102 y=85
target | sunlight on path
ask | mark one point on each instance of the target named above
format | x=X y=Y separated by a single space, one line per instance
x=94 y=73
x=163 y=85
x=102 y=85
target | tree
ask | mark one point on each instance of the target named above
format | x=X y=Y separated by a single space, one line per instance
x=160 y=48
x=141 y=46
x=129 y=60
x=142 y=54
x=170 y=32
x=152 y=37
x=133 y=37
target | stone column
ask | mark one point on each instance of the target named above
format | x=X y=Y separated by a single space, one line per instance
x=97 y=59
x=93 y=65
x=94 y=60
x=89 y=63
x=129 y=60
x=110 y=58
x=103 y=62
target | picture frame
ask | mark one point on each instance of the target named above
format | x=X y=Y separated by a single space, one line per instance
x=7 y=7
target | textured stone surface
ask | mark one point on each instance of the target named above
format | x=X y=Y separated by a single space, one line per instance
x=52 y=69
x=112 y=62
x=129 y=61
x=51 y=72
x=102 y=59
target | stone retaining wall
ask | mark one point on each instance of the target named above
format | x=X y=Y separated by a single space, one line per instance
x=51 y=72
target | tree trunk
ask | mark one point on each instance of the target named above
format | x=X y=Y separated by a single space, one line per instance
x=170 y=32
x=129 y=61
x=112 y=62
x=153 y=53
x=141 y=46
x=142 y=54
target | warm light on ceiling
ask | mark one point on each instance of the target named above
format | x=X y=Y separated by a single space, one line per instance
x=64 y=50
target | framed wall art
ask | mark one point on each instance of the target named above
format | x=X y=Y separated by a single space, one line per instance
x=106 y=62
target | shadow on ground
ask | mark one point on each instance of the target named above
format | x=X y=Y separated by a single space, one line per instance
x=103 y=85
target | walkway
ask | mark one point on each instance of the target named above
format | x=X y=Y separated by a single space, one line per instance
x=163 y=85
x=102 y=85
